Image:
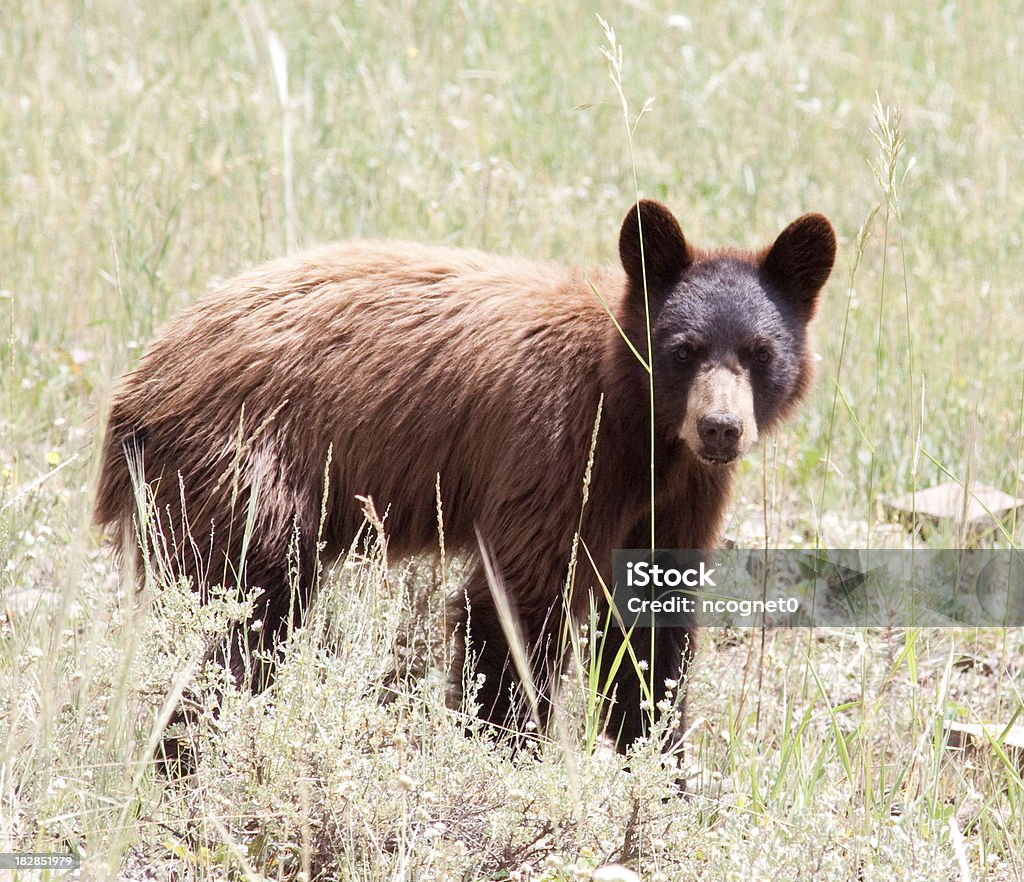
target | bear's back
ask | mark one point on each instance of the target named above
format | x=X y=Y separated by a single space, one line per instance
x=477 y=367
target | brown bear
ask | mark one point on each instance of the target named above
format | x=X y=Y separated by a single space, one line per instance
x=410 y=362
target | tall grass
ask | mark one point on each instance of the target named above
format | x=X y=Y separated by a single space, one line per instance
x=147 y=152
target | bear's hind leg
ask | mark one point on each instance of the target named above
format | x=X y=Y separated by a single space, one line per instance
x=502 y=699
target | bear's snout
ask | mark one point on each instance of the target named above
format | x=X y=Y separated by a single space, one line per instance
x=720 y=435
x=720 y=425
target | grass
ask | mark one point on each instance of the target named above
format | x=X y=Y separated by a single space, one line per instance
x=147 y=151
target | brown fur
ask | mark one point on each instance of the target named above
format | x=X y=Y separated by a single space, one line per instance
x=411 y=361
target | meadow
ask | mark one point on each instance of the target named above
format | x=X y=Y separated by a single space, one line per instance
x=148 y=150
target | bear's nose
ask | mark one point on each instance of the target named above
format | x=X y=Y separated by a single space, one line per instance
x=720 y=433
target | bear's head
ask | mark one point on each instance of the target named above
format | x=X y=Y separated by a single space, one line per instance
x=729 y=338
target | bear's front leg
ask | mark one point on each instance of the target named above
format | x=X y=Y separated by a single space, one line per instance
x=652 y=670
x=654 y=667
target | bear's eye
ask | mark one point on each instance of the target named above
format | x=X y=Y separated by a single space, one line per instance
x=763 y=355
x=683 y=352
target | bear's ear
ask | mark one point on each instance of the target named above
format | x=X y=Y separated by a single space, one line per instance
x=665 y=252
x=801 y=260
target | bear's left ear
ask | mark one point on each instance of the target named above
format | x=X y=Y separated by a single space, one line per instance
x=665 y=253
x=801 y=260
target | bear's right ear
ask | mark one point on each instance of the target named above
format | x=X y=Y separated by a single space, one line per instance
x=665 y=253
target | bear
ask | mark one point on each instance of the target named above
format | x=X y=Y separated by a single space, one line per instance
x=417 y=366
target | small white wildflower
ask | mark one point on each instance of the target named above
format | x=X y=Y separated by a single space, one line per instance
x=679 y=22
x=614 y=873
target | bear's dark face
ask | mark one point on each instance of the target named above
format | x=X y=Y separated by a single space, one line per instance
x=728 y=329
